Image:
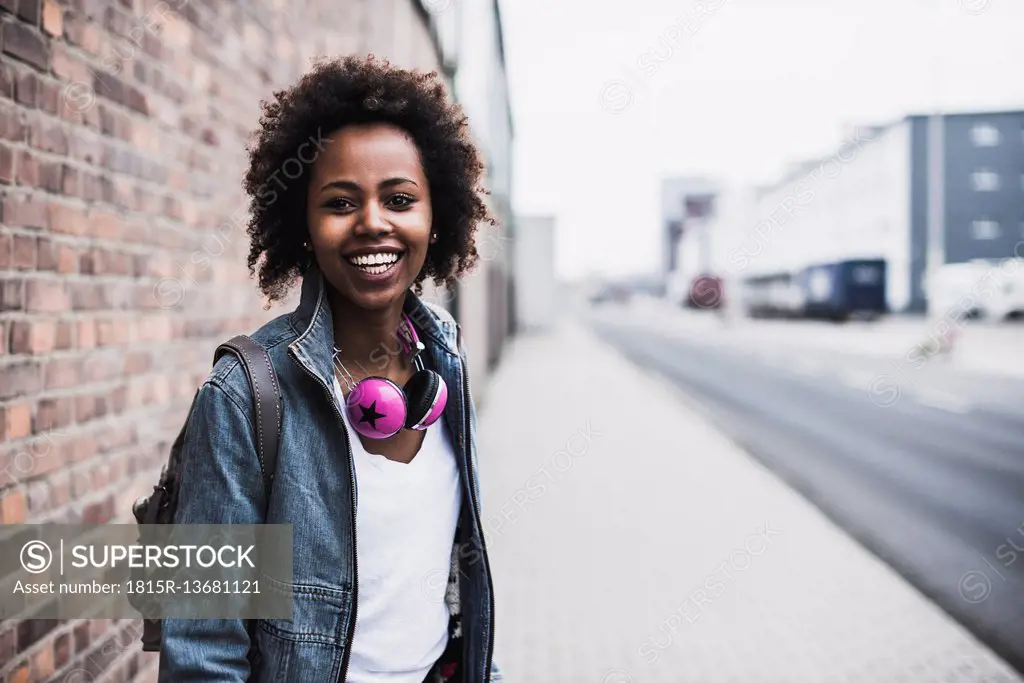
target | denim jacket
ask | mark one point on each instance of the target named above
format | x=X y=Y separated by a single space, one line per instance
x=315 y=491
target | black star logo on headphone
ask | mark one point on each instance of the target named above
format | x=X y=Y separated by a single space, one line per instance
x=370 y=414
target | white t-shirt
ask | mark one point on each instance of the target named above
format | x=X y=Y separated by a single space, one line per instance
x=405 y=527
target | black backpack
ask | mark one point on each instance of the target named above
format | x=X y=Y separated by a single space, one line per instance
x=160 y=506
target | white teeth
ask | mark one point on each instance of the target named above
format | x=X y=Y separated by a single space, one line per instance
x=368 y=261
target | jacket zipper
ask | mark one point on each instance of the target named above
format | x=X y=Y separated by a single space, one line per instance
x=467 y=448
x=355 y=501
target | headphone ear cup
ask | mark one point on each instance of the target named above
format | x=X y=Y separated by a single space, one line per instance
x=426 y=395
x=376 y=408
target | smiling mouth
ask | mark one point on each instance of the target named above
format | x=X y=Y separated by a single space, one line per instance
x=377 y=263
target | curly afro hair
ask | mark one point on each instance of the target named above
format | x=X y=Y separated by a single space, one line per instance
x=348 y=91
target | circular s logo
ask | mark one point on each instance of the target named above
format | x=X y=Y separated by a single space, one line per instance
x=616 y=97
x=884 y=391
x=78 y=676
x=36 y=557
x=975 y=7
x=974 y=586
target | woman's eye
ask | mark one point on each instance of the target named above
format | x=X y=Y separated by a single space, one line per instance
x=338 y=204
x=400 y=201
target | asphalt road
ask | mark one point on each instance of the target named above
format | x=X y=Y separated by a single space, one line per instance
x=924 y=468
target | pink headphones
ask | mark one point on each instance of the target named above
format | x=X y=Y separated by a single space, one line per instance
x=378 y=408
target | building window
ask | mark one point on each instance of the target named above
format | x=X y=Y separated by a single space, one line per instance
x=985 y=180
x=985 y=135
x=985 y=230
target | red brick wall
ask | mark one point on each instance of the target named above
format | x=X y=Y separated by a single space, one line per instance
x=122 y=248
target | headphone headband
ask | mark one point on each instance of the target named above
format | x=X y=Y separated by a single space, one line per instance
x=410 y=340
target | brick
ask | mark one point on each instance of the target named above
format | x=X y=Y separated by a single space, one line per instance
x=81 y=636
x=54 y=413
x=23 y=212
x=7 y=645
x=12 y=511
x=48 y=136
x=12 y=123
x=86 y=408
x=12 y=295
x=7 y=79
x=42 y=661
x=51 y=176
x=30 y=631
x=64 y=65
x=62 y=373
x=33 y=337
x=137 y=363
x=62 y=650
x=87 y=148
x=29 y=10
x=89 y=296
x=28 y=169
x=66 y=219
x=24 y=255
x=97 y=513
x=53 y=21
x=86 y=334
x=46 y=296
x=7 y=158
x=113 y=332
x=57 y=256
x=65 y=335
x=18 y=421
x=24 y=43
x=48 y=97
x=26 y=88
x=104 y=224
x=19 y=675
x=3 y=350
x=101 y=367
x=18 y=379
x=5 y=250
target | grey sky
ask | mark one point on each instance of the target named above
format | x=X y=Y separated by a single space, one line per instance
x=742 y=92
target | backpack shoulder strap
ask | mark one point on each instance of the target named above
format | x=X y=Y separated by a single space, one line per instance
x=266 y=394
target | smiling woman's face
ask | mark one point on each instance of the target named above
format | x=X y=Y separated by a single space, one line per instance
x=369 y=213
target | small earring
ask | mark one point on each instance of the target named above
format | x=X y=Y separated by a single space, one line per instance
x=434 y=236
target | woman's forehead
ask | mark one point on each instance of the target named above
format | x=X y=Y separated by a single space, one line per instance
x=370 y=149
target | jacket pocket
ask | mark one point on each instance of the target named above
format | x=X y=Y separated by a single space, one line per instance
x=319 y=614
x=310 y=645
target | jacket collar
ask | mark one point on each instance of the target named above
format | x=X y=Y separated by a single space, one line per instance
x=313 y=320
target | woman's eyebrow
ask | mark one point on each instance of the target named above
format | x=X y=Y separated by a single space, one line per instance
x=354 y=187
x=391 y=182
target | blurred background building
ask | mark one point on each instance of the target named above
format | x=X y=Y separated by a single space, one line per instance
x=876 y=196
x=482 y=302
x=538 y=294
x=687 y=207
x=122 y=238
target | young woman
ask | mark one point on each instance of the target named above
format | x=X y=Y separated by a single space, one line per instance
x=363 y=181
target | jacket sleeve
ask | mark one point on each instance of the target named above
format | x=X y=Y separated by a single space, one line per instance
x=221 y=483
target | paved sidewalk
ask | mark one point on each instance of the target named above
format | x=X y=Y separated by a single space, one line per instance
x=631 y=542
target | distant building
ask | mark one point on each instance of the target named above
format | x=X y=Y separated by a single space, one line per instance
x=471 y=33
x=870 y=199
x=534 y=273
x=687 y=204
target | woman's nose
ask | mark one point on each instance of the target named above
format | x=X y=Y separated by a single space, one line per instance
x=374 y=220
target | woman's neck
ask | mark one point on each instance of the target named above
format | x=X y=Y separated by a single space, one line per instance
x=366 y=337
